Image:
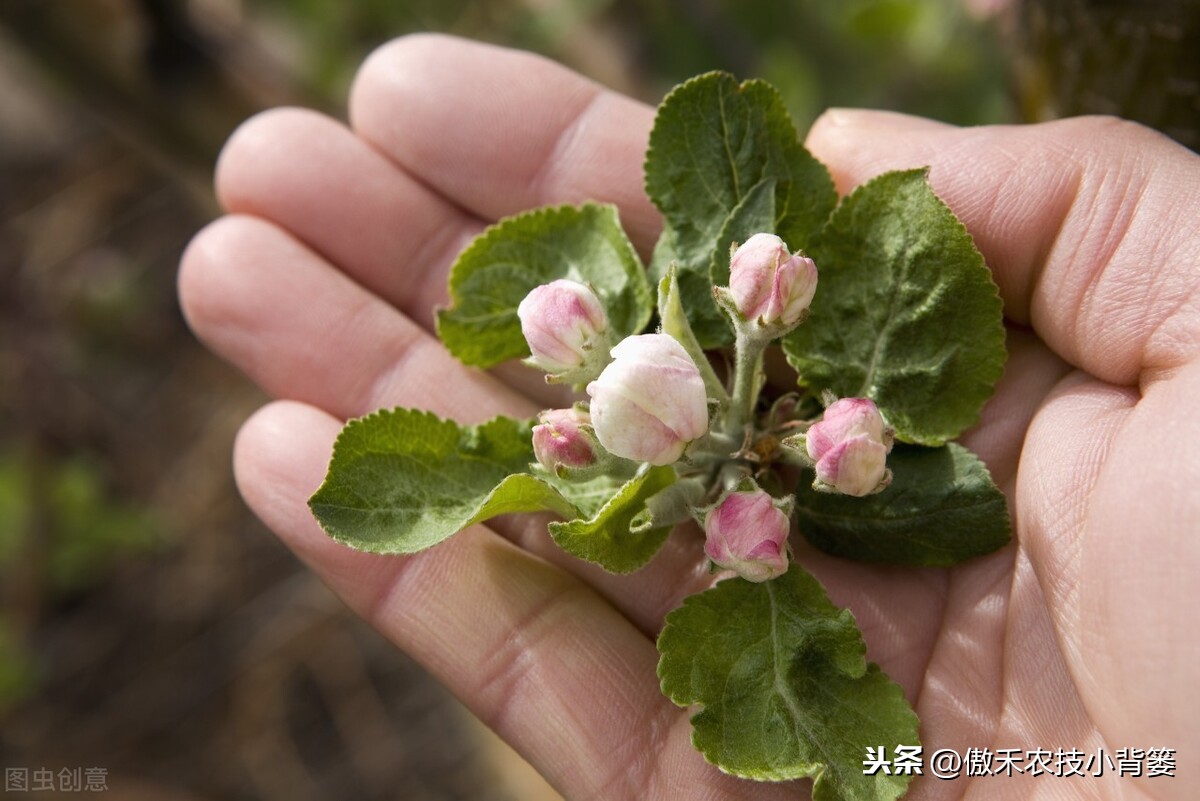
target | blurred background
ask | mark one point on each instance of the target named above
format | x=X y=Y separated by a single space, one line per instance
x=150 y=629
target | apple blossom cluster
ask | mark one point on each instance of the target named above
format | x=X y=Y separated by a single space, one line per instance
x=647 y=402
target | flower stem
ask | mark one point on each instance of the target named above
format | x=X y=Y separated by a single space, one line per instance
x=747 y=381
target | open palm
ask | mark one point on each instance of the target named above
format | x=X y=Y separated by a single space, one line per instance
x=321 y=283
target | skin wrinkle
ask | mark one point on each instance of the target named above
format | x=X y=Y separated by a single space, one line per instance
x=1151 y=373
x=1058 y=211
x=403 y=354
x=1110 y=218
x=245 y=171
x=995 y=593
x=510 y=670
x=943 y=616
x=681 y=557
x=392 y=71
x=378 y=609
x=227 y=238
x=441 y=249
x=1156 y=366
x=543 y=173
x=364 y=72
x=1124 y=230
x=639 y=772
x=503 y=683
x=1018 y=659
x=1063 y=585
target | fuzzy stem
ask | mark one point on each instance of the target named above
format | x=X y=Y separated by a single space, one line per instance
x=713 y=446
x=747 y=380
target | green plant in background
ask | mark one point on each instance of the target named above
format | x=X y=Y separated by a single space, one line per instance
x=61 y=530
x=92 y=530
x=926 y=57
x=79 y=526
x=17 y=676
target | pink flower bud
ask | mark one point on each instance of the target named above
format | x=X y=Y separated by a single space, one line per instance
x=857 y=466
x=559 y=439
x=850 y=446
x=748 y=533
x=650 y=402
x=770 y=284
x=561 y=321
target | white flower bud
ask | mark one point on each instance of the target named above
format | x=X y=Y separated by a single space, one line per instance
x=565 y=325
x=650 y=402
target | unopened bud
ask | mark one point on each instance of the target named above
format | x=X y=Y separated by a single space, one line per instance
x=850 y=445
x=650 y=402
x=747 y=533
x=565 y=325
x=769 y=284
x=560 y=441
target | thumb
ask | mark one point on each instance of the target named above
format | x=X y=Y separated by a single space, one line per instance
x=1091 y=225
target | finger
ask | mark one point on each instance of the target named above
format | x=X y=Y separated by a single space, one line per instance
x=1091 y=226
x=533 y=652
x=350 y=353
x=319 y=337
x=312 y=176
x=1030 y=374
x=1109 y=505
x=498 y=131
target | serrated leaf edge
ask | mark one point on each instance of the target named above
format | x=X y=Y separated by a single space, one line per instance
x=484 y=239
x=975 y=460
x=814 y=770
x=556 y=527
x=993 y=376
x=339 y=453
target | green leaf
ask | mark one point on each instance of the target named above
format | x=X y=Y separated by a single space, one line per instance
x=755 y=213
x=941 y=508
x=906 y=312
x=495 y=273
x=725 y=163
x=675 y=322
x=607 y=537
x=785 y=687
x=587 y=497
x=403 y=480
x=708 y=323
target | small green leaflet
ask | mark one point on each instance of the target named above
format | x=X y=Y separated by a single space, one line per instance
x=607 y=537
x=588 y=496
x=403 y=480
x=495 y=273
x=675 y=322
x=786 y=690
x=940 y=509
x=724 y=163
x=906 y=312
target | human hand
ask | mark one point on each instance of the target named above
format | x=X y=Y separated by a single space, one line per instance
x=320 y=284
